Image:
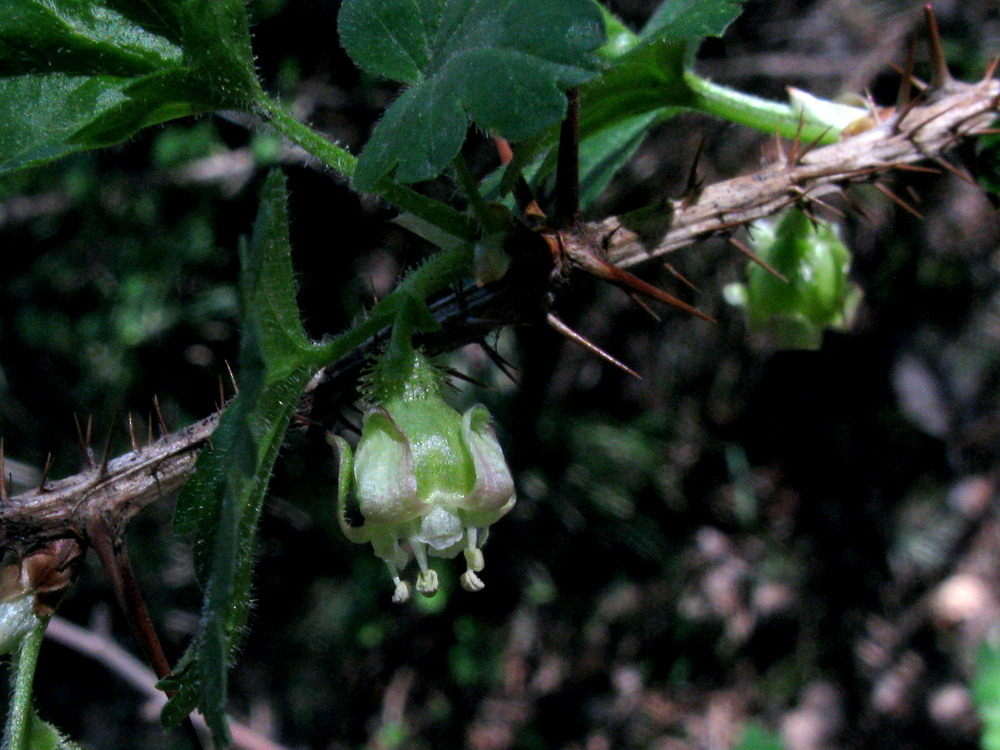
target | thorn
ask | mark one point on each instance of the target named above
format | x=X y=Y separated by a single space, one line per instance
x=84 y=442
x=921 y=85
x=857 y=207
x=882 y=188
x=991 y=68
x=901 y=114
x=467 y=378
x=45 y=473
x=779 y=147
x=693 y=185
x=349 y=424
x=756 y=259
x=902 y=166
x=809 y=215
x=567 y=208
x=355 y=409
x=629 y=282
x=904 y=102
x=813 y=143
x=913 y=194
x=222 y=395
x=962 y=175
x=941 y=78
x=159 y=416
x=793 y=155
x=149 y=429
x=106 y=453
x=680 y=277
x=572 y=335
x=498 y=360
x=641 y=303
x=906 y=77
x=4 y=497
x=131 y=434
x=803 y=195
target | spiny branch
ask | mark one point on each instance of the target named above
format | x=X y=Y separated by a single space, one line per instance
x=128 y=483
x=923 y=132
x=135 y=479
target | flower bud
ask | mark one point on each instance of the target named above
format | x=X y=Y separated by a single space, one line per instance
x=427 y=480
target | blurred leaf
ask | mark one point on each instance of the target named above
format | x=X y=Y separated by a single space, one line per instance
x=758 y=738
x=603 y=154
x=222 y=502
x=986 y=691
x=455 y=61
x=79 y=74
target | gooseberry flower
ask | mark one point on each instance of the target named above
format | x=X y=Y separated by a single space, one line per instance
x=423 y=475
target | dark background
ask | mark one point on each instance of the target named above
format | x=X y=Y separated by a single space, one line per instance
x=802 y=540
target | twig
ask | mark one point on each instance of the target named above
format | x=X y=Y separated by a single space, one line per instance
x=131 y=482
x=108 y=653
x=138 y=478
x=928 y=131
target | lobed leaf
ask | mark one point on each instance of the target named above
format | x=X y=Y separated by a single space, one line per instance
x=649 y=76
x=687 y=20
x=502 y=64
x=644 y=81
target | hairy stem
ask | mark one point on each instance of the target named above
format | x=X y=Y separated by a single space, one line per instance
x=22 y=712
x=343 y=162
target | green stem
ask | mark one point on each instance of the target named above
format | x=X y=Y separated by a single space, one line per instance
x=441 y=269
x=754 y=112
x=21 y=717
x=342 y=161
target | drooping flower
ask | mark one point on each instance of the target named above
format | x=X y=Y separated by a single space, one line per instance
x=427 y=480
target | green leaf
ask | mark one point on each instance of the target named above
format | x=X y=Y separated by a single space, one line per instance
x=502 y=64
x=216 y=42
x=685 y=20
x=44 y=736
x=650 y=74
x=222 y=502
x=85 y=73
x=77 y=38
x=645 y=78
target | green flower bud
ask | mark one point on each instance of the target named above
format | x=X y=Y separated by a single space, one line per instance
x=818 y=294
x=427 y=480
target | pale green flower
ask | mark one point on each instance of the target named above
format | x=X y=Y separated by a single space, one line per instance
x=424 y=476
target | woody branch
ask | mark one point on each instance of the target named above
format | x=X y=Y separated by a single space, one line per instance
x=122 y=487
